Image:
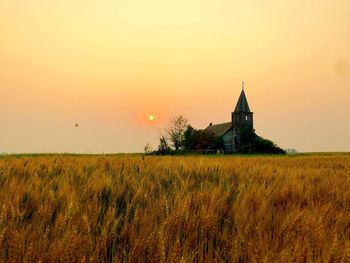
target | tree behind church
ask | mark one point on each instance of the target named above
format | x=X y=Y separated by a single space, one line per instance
x=201 y=140
x=176 y=130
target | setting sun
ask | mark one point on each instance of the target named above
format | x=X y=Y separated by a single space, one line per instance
x=123 y=68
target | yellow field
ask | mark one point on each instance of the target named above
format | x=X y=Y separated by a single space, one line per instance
x=175 y=209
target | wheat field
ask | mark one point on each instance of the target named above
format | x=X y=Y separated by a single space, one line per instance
x=64 y=208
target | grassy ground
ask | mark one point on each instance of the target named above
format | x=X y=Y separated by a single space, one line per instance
x=134 y=208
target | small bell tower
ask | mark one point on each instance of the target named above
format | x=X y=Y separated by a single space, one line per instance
x=242 y=117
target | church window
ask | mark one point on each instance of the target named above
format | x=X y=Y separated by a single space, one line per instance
x=246 y=117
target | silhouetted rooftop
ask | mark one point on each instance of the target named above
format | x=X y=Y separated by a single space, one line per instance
x=219 y=129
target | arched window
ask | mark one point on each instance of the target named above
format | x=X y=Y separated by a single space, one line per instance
x=246 y=117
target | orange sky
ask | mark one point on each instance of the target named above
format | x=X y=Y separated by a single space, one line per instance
x=108 y=64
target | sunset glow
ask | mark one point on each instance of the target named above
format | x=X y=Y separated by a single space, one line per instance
x=108 y=63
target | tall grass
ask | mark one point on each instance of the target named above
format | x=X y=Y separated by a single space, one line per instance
x=174 y=209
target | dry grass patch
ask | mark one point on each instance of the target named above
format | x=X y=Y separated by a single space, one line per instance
x=135 y=209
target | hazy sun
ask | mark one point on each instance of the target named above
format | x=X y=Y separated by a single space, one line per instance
x=151 y=117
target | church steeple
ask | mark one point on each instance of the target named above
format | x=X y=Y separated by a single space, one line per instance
x=242 y=117
x=242 y=103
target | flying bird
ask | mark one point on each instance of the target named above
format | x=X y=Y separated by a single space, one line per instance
x=76 y=125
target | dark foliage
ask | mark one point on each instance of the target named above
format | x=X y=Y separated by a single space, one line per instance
x=163 y=148
x=247 y=141
x=262 y=145
x=253 y=143
x=196 y=140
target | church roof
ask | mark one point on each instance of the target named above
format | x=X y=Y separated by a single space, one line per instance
x=242 y=103
x=219 y=129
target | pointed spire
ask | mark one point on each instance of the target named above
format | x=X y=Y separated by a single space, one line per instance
x=242 y=103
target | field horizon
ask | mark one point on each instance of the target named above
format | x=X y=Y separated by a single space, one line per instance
x=298 y=154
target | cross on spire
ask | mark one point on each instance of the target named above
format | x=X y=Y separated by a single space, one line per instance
x=242 y=103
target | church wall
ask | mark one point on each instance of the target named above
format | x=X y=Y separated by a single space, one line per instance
x=228 y=141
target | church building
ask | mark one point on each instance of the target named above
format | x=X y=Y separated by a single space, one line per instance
x=233 y=131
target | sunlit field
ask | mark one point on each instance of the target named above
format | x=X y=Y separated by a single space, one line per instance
x=129 y=208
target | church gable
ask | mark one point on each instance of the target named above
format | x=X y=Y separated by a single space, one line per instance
x=219 y=130
x=226 y=132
